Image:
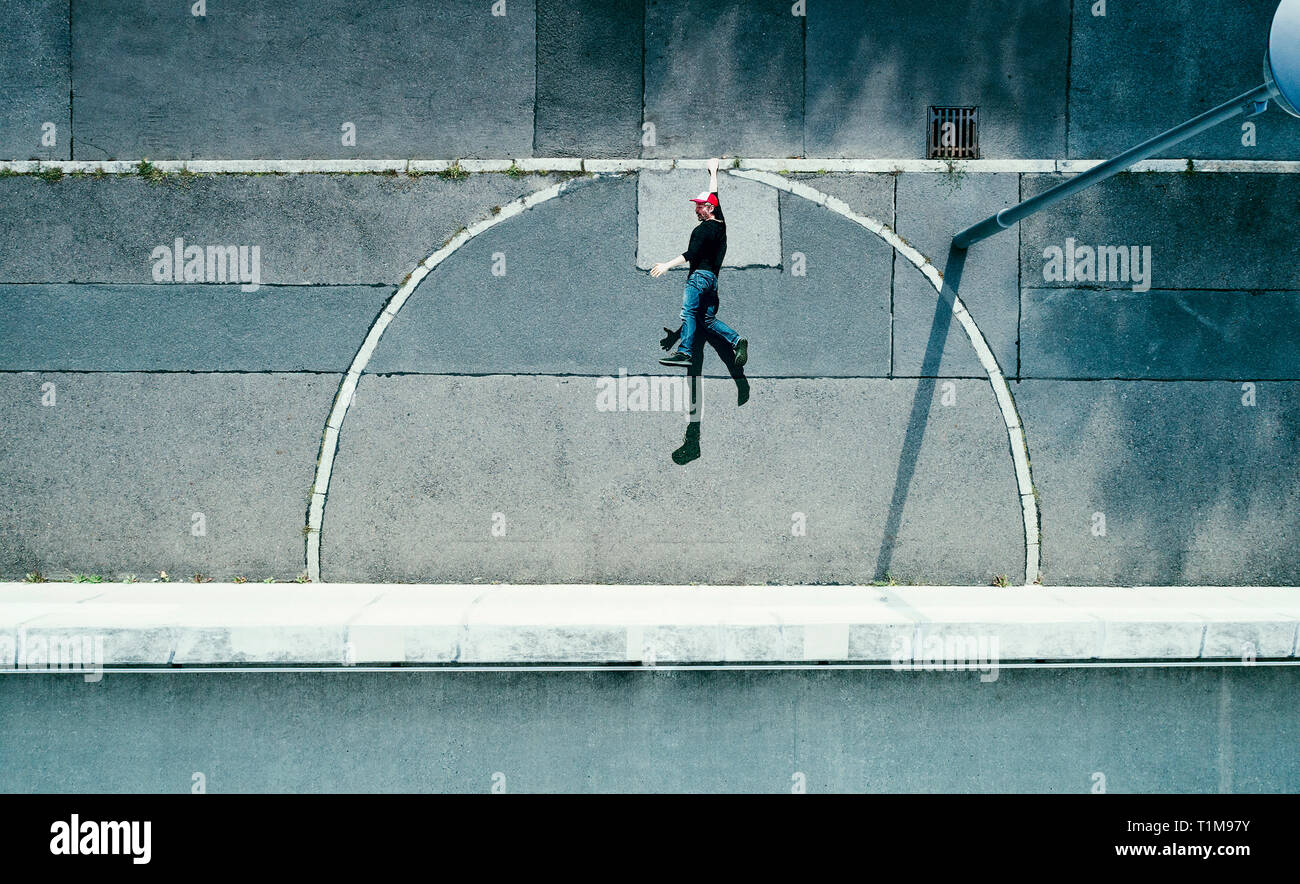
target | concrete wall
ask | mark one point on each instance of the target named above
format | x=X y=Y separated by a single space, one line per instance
x=1143 y=730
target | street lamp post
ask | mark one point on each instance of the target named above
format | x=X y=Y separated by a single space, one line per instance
x=1282 y=83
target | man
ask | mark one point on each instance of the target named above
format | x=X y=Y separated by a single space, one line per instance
x=704 y=254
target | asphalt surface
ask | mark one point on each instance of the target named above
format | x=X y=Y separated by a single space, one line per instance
x=124 y=79
x=870 y=447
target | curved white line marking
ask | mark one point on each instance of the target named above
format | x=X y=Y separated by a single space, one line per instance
x=329 y=445
x=1007 y=405
x=347 y=389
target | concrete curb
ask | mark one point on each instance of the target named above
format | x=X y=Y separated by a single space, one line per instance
x=576 y=164
x=358 y=624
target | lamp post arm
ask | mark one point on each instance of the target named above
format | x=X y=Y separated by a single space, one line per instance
x=1247 y=103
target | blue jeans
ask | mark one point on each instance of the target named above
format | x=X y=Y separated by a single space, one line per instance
x=700 y=302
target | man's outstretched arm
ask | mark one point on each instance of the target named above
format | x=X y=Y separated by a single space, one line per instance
x=663 y=267
x=713 y=175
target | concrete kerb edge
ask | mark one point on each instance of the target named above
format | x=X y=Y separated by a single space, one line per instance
x=1002 y=391
x=281 y=625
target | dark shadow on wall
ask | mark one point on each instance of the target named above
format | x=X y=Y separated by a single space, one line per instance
x=920 y=414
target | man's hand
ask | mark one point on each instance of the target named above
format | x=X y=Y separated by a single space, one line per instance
x=659 y=269
x=713 y=166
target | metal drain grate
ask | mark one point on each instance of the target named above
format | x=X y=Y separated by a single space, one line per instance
x=953 y=133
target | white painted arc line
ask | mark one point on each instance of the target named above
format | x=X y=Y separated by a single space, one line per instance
x=348 y=386
x=347 y=389
x=1001 y=390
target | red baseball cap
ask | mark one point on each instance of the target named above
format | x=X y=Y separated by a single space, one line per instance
x=710 y=198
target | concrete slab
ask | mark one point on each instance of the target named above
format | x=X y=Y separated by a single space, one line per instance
x=108 y=479
x=1078 y=333
x=1205 y=231
x=666 y=217
x=185 y=327
x=310 y=229
x=425 y=461
x=589 y=70
x=1193 y=484
x=1145 y=68
x=874 y=68
x=706 y=95
x=931 y=209
x=870 y=194
x=568 y=265
x=250 y=80
x=35 y=82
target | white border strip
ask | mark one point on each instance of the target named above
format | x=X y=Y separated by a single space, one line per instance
x=577 y=164
x=1006 y=404
x=348 y=388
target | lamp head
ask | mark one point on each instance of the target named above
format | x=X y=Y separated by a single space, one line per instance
x=1282 y=63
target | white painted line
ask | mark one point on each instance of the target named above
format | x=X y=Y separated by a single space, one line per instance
x=1006 y=403
x=348 y=386
x=605 y=165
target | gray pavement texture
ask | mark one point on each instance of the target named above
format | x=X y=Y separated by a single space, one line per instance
x=137 y=328
x=450 y=78
x=590 y=62
x=716 y=71
x=874 y=68
x=1144 y=68
x=1160 y=334
x=310 y=229
x=1206 y=231
x=481 y=397
x=593 y=496
x=1187 y=730
x=1193 y=484
x=989 y=279
x=570 y=299
x=254 y=80
x=35 y=86
x=104 y=473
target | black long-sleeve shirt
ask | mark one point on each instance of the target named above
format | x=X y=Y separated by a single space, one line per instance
x=708 y=244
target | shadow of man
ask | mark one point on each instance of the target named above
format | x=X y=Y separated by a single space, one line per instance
x=690 y=447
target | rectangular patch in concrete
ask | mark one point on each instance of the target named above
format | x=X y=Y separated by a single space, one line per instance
x=1165 y=483
x=666 y=217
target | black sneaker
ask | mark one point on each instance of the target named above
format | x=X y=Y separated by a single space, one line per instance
x=742 y=352
x=676 y=359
